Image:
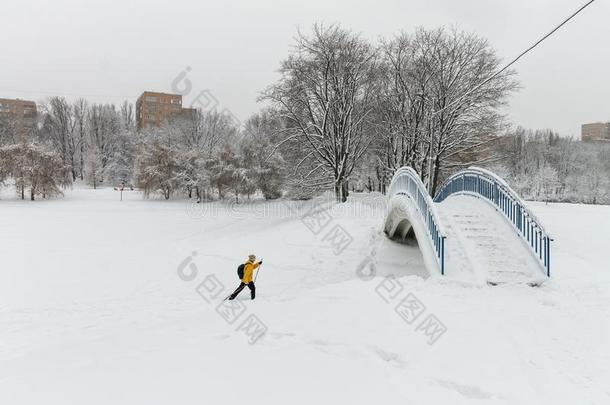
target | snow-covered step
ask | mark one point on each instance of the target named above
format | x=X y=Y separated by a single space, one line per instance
x=491 y=249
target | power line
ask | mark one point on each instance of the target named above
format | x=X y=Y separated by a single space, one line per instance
x=491 y=77
x=516 y=59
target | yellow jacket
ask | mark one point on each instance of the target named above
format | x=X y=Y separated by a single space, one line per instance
x=249 y=271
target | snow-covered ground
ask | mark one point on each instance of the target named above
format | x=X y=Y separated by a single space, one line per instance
x=102 y=302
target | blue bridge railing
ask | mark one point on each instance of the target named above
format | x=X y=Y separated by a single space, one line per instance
x=406 y=181
x=485 y=184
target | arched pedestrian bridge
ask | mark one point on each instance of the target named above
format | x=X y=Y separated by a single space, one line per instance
x=476 y=228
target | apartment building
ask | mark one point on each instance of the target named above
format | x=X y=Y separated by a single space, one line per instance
x=597 y=131
x=18 y=114
x=154 y=108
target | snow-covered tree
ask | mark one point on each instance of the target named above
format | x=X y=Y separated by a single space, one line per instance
x=545 y=183
x=93 y=167
x=275 y=166
x=194 y=175
x=120 y=166
x=204 y=130
x=224 y=171
x=424 y=114
x=263 y=169
x=158 y=167
x=59 y=127
x=326 y=91
x=80 y=109
x=35 y=167
x=104 y=124
x=542 y=165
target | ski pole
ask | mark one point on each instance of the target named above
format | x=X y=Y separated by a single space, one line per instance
x=257 y=271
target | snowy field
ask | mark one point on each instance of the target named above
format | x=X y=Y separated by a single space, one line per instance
x=102 y=302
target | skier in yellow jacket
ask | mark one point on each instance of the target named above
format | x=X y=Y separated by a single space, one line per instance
x=246 y=280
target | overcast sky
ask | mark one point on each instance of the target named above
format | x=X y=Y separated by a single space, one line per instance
x=109 y=51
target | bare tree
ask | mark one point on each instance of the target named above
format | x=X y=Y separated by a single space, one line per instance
x=204 y=130
x=158 y=163
x=265 y=166
x=326 y=93
x=80 y=109
x=59 y=127
x=119 y=168
x=104 y=125
x=428 y=115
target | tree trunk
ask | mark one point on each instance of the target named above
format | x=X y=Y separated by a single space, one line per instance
x=72 y=168
x=345 y=191
x=435 y=176
x=341 y=190
x=82 y=159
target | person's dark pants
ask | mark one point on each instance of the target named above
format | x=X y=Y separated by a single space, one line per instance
x=241 y=287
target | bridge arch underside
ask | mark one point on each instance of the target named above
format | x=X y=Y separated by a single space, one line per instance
x=404 y=225
x=403 y=232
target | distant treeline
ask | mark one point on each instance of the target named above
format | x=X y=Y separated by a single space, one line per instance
x=541 y=165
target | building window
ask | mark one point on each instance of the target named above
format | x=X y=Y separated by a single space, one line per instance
x=152 y=99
